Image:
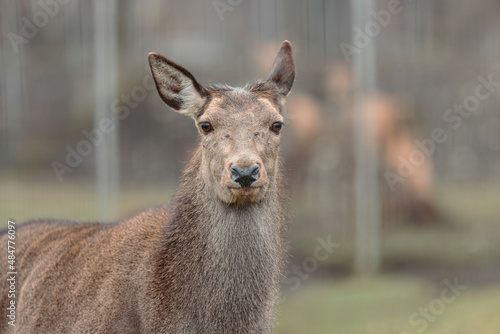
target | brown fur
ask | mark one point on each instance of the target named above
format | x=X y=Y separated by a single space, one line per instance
x=210 y=263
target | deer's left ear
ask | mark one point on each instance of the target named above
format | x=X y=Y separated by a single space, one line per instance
x=176 y=86
x=283 y=70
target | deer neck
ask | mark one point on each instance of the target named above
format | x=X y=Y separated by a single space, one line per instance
x=226 y=258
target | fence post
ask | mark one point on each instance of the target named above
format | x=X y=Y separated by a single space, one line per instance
x=105 y=84
x=367 y=207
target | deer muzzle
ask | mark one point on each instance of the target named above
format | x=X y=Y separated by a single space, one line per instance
x=245 y=177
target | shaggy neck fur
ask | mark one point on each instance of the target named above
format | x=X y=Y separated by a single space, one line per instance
x=221 y=262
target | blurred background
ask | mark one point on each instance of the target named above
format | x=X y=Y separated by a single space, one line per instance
x=391 y=150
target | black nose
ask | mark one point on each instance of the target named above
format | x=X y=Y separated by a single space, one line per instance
x=245 y=178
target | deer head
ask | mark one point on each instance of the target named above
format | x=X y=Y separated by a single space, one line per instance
x=239 y=127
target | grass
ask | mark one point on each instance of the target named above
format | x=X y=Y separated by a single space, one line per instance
x=26 y=198
x=384 y=304
x=468 y=249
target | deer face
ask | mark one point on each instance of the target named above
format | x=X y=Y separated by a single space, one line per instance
x=240 y=137
x=240 y=128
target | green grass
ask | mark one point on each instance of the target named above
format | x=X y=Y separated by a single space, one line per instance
x=31 y=197
x=468 y=247
x=383 y=305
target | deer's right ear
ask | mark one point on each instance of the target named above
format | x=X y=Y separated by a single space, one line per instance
x=176 y=86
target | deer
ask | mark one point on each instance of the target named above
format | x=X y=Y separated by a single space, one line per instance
x=212 y=261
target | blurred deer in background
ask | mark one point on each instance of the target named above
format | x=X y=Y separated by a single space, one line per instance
x=210 y=263
x=395 y=143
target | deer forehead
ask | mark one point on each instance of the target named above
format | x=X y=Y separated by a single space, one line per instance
x=240 y=107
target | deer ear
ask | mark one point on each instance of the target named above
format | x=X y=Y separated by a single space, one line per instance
x=283 y=70
x=176 y=86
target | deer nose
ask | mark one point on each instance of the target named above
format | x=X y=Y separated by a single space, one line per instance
x=246 y=177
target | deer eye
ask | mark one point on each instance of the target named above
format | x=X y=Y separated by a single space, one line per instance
x=276 y=127
x=206 y=127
